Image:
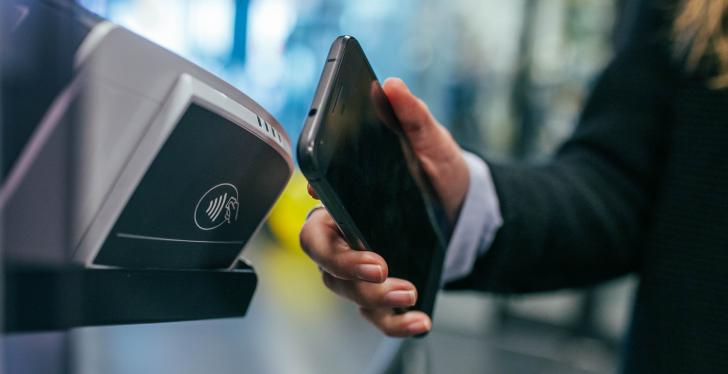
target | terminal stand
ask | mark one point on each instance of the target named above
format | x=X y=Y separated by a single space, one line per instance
x=52 y=299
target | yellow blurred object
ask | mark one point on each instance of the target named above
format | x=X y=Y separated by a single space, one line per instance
x=289 y=213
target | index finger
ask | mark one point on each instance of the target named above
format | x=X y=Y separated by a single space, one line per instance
x=322 y=241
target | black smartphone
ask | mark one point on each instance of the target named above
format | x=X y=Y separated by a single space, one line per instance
x=355 y=156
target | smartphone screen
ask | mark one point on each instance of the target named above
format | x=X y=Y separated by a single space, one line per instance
x=370 y=180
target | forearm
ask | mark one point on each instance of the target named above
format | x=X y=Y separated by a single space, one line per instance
x=583 y=216
x=558 y=226
x=565 y=225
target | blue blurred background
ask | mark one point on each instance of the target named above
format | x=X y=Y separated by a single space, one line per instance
x=506 y=77
x=463 y=57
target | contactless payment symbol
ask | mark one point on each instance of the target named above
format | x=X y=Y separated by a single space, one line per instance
x=217 y=206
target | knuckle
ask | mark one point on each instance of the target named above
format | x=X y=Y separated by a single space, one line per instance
x=362 y=298
x=340 y=263
x=329 y=281
x=367 y=295
x=304 y=237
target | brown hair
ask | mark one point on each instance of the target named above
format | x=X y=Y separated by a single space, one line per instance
x=700 y=33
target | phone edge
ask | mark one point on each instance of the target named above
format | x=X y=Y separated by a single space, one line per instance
x=312 y=169
x=306 y=149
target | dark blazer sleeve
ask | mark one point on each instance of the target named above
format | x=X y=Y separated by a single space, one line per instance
x=583 y=216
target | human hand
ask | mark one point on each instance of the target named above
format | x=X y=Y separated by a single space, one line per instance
x=361 y=276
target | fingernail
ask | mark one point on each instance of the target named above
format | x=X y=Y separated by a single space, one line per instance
x=419 y=327
x=370 y=272
x=401 y=298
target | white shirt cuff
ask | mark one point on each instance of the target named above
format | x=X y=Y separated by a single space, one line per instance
x=479 y=221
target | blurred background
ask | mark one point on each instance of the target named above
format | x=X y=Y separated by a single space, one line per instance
x=506 y=77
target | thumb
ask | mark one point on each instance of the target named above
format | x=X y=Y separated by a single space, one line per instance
x=437 y=151
x=419 y=125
